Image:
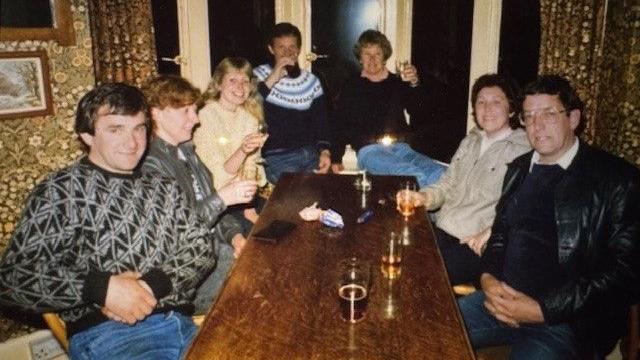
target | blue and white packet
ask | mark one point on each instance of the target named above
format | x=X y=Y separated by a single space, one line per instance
x=332 y=219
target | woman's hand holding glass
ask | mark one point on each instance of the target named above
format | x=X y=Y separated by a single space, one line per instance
x=407 y=72
x=238 y=192
x=252 y=142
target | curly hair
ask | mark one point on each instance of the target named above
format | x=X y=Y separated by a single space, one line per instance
x=253 y=104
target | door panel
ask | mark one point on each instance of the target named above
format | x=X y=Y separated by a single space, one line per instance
x=165 y=23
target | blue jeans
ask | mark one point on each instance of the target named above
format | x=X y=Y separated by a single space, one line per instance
x=159 y=336
x=399 y=159
x=527 y=342
x=209 y=290
x=304 y=159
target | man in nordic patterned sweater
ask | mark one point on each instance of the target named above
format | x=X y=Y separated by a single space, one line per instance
x=294 y=108
x=100 y=240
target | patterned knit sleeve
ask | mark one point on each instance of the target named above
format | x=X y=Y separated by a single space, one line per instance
x=192 y=255
x=38 y=271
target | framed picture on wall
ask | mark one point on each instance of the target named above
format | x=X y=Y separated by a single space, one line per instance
x=25 y=89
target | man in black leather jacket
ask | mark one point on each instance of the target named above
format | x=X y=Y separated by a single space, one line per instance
x=561 y=267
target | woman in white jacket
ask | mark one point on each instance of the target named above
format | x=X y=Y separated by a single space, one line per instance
x=466 y=195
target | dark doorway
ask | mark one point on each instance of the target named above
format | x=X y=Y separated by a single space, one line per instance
x=520 y=40
x=335 y=28
x=441 y=51
x=165 y=23
x=238 y=28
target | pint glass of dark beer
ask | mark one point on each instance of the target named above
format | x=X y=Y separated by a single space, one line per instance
x=353 y=288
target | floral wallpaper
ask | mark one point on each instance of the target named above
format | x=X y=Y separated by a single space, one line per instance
x=30 y=148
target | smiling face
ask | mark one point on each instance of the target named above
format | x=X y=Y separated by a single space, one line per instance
x=492 y=110
x=551 y=138
x=234 y=89
x=118 y=142
x=373 y=62
x=175 y=124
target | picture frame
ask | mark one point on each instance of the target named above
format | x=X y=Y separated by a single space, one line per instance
x=61 y=30
x=25 y=88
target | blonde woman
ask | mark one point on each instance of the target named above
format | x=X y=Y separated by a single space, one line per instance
x=228 y=141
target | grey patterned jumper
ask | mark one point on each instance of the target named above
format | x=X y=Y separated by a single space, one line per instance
x=82 y=224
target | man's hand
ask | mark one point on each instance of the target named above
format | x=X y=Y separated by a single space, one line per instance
x=478 y=242
x=128 y=299
x=238 y=192
x=509 y=305
x=238 y=241
x=278 y=71
x=493 y=291
x=325 y=162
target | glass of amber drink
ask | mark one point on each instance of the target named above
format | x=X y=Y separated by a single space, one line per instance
x=353 y=288
x=406 y=198
x=392 y=256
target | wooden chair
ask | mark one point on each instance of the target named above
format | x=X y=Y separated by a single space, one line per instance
x=59 y=329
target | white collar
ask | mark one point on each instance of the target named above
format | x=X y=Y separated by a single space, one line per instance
x=564 y=161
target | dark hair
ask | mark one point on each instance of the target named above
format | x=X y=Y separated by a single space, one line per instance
x=558 y=85
x=285 y=29
x=116 y=98
x=508 y=87
x=373 y=37
x=170 y=90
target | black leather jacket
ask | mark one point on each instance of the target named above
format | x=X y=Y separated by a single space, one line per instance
x=597 y=213
x=162 y=158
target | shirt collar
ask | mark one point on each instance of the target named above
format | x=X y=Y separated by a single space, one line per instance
x=564 y=161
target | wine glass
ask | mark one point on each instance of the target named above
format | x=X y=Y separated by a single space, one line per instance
x=401 y=66
x=262 y=129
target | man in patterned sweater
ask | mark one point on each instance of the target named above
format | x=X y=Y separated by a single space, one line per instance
x=294 y=108
x=99 y=240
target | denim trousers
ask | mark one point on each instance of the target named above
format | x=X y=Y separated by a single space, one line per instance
x=158 y=337
x=209 y=290
x=277 y=162
x=539 y=341
x=399 y=159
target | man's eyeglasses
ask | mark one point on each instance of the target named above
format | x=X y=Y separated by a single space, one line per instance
x=548 y=116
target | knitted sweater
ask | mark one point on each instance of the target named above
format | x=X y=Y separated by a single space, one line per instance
x=83 y=224
x=220 y=134
x=367 y=110
x=295 y=110
x=468 y=191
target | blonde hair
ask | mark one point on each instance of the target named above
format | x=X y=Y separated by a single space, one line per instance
x=253 y=104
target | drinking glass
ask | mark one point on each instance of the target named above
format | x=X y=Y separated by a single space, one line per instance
x=353 y=288
x=392 y=256
x=262 y=129
x=401 y=66
x=406 y=199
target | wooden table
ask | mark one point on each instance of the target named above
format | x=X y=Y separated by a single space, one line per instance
x=281 y=300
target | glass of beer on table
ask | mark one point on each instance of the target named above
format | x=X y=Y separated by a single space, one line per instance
x=353 y=288
x=392 y=256
x=406 y=198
